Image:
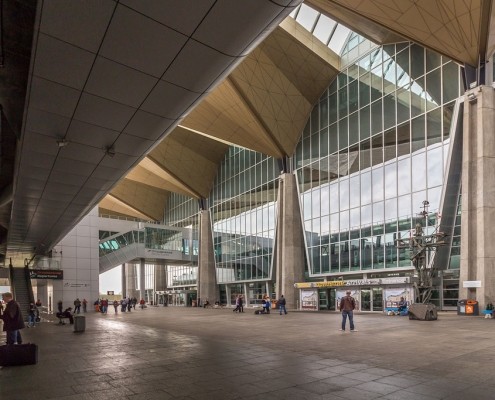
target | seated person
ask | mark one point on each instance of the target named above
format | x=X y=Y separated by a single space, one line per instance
x=402 y=305
x=66 y=314
x=206 y=304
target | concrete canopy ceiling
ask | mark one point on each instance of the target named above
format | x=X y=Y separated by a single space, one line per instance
x=108 y=81
x=262 y=105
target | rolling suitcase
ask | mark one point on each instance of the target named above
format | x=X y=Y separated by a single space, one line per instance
x=18 y=354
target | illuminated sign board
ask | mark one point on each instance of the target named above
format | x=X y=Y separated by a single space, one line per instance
x=353 y=282
x=46 y=274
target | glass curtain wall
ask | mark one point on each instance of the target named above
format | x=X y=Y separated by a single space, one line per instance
x=243 y=209
x=373 y=150
x=182 y=211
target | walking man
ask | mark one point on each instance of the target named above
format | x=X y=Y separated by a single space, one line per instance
x=281 y=305
x=12 y=318
x=347 y=306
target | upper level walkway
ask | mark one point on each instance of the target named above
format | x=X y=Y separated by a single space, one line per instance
x=137 y=240
x=206 y=354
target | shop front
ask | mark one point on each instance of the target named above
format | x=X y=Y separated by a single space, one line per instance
x=371 y=295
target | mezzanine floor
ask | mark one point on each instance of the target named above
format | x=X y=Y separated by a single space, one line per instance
x=193 y=353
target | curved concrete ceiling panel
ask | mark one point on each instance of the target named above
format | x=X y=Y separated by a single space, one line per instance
x=109 y=80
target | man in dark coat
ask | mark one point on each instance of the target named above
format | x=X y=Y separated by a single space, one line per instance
x=12 y=319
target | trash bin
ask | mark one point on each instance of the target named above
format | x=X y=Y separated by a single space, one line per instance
x=472 y=307
x=79 y=323
x=461 y=307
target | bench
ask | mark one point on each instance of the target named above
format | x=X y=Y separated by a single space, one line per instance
x=62 y=318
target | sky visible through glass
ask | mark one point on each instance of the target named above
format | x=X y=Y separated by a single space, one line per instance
x=325 y=29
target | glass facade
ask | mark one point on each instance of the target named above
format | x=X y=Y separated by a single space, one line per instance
x=375 y=147
x=372 y=151
x=243 y=210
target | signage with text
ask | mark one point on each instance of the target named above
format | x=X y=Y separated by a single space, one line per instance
x=46 y=274
x=353 y=282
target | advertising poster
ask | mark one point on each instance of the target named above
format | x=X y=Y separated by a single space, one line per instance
x=354 y=293
x=309 y=299
x=392 y=296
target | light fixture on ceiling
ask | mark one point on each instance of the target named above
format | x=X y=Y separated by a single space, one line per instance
x=110 y=151
x=62 y=143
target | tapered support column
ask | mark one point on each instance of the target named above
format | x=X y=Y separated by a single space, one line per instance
x=478 y=195
x=142 y=285
x=207 y=282
x=290 y=241
x=124 y=281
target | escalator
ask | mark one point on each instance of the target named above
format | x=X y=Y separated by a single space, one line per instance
x=22 y=290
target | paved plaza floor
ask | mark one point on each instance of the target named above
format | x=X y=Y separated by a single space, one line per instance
x=195 y=353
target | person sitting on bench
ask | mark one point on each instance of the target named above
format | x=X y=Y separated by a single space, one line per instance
x=402 y=305
x=65 y=314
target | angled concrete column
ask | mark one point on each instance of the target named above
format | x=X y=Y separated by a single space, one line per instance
x=132 y=281
x=478 y=195
x=290 y=241
x=142 y=286
x=123 y=280
x=160 y=278
x=207 y=280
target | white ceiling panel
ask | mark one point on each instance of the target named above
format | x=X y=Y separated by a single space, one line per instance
x=80 y=152
x=94 y=182
x=117 y=82
x=148 y=126
x=62 y=177
x=91 y=135
x=61 y=62
x=121 y=162
x=197 y=66
x=97 y=183
x=107 y=173
x=33 y=160
x=220 y=28
x=81 y=23
x=53 y=97
x=169 y=100
x=141 y=43
x=187 y=14
x=73 y=166
x=102 y=112
x=41 y=144
x=49 y=124
x=132 y=145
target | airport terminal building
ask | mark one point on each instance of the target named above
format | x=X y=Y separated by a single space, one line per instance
x=297 y=155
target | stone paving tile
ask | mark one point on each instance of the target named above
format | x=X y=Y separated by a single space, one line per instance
x=342 y=381
x=184 y=353
x=319 y=387
x=362 y=376
x=376 y=387
x=478 y=392
x=156 y=395
x=355 y=393
x=322 y=373
x=403 y=395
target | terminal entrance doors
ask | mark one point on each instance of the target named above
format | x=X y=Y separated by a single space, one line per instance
x=372 y=299
x=327 y=299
